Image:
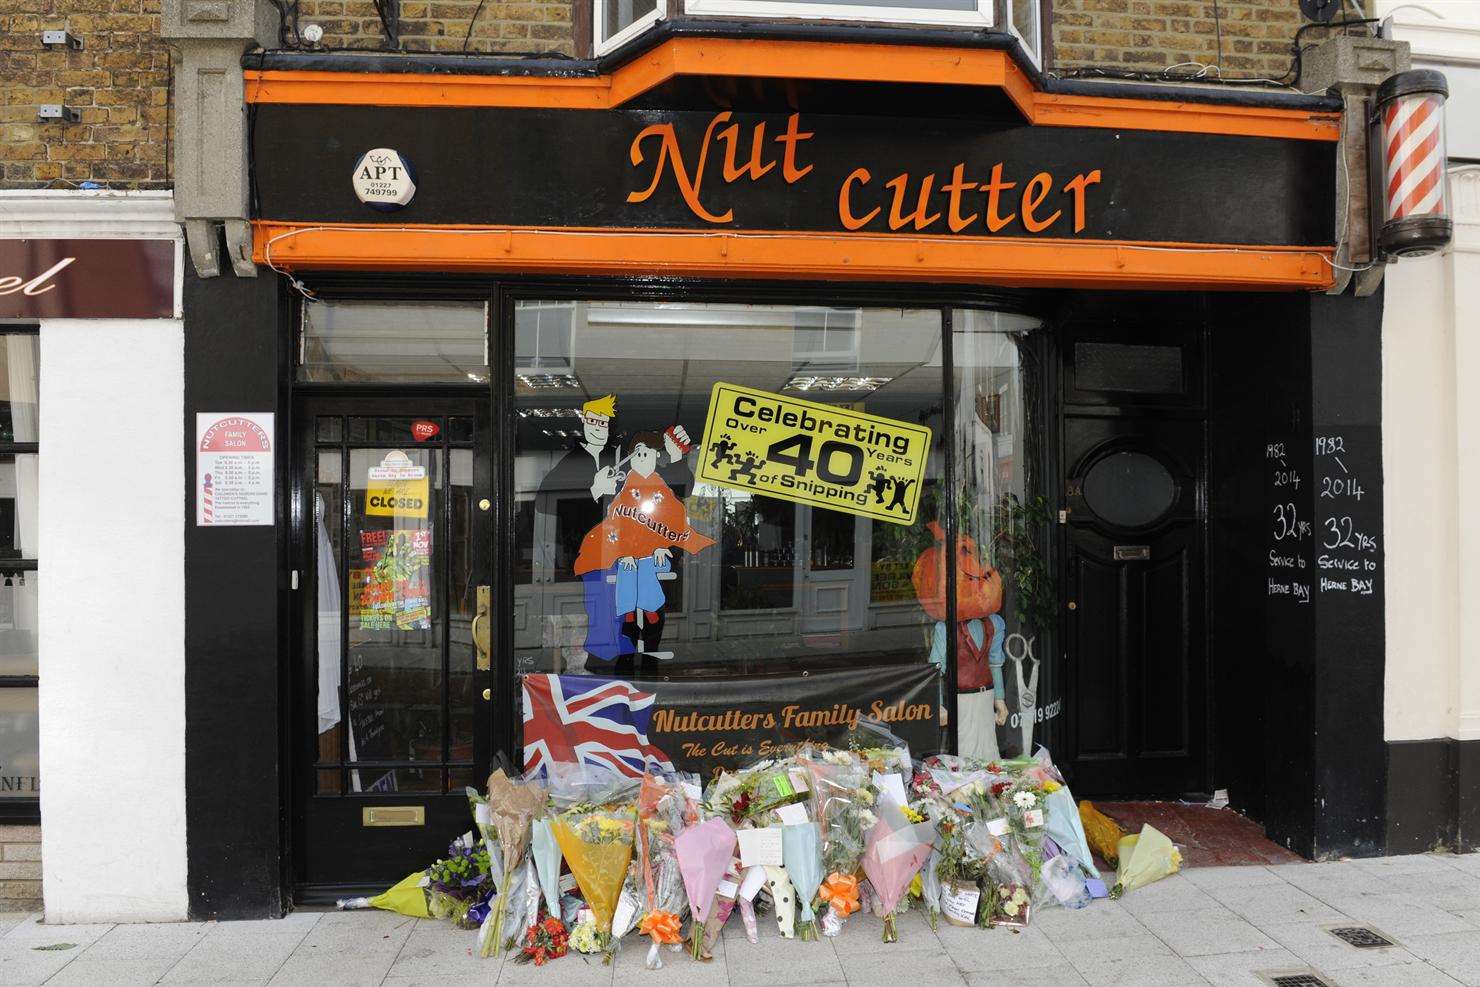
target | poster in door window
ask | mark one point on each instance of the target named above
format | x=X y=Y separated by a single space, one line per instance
x=395 y=580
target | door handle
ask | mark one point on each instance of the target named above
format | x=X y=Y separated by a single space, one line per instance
x=480 y=631
x=487 y=695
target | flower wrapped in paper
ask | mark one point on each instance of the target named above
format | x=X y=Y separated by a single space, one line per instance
x=460 y=880
x=897 y=849
x=704 y=854
x=512 y=808
x=664 y=808
x=1146 y=857
x=596 y=841
x=841 y=805
x=802 y=855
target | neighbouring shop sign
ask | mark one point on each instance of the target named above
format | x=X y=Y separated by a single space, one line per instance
x=851 y=174
x=87 y=279
x=811 y=453
x=707 y=724
x=233 y=468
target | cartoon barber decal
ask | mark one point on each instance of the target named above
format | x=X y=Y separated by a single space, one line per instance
x=624 y=558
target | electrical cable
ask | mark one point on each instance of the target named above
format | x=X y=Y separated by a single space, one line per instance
x=472 y=24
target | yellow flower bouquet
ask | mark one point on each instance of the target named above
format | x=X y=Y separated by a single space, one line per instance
x=596 y=841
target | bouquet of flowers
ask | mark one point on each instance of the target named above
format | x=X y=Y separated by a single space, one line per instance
x=459 y=880
x=755 y=791
x=512 y=807
x=596 y=841
x=1009 y=886
x=544 y=941
x=802 y=855
x=663 y=809
x=842 y=801
x=897 y=849
x=704 y=853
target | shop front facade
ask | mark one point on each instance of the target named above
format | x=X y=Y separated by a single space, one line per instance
x=825 y=329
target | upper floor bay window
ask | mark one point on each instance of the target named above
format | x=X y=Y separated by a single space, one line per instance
x=615 y=22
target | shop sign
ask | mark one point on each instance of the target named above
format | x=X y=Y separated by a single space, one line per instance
x=834 y=174
x=397 y=488
x=810 y=453
x=234 y=468
x=712 y=723
x=87 y=279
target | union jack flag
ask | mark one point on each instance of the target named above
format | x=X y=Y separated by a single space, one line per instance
x=596 y=721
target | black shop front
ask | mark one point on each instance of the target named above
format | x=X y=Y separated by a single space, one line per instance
x=661 y=411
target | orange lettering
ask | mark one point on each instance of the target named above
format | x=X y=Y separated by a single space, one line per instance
x=897 y=219
x=845 y=208
x=789 y=140
x=1077 y=186
x=954 y=188
x=994 y=190
x=1033 y=196
x=669 y=152
x=754 y=167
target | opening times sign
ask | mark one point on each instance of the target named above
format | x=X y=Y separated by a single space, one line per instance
x=811 y=453
x=233 y=468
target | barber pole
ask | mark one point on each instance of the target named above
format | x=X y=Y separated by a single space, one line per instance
x=1410 y=112
x=208 y=507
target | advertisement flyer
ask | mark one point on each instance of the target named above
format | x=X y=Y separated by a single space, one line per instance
x=394 y=580
x=811 y=453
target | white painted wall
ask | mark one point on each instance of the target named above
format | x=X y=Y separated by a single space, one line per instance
x=110 y=548
x=112 y=635
x=1431 y=420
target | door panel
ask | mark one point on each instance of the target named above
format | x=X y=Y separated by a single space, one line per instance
x=1134 y=621
x=394 y=547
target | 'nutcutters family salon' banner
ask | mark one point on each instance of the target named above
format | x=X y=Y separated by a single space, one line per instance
x=706 y=724
x=811 y=453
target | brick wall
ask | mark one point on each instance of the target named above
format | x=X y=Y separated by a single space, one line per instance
x=443 y=25
x=20 y=868
x=1154 y=34
x=119 y=84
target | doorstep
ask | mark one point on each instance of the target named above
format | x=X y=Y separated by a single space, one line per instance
x=1207 y=837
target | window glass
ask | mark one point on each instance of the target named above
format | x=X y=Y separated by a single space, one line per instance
x=18 y=478
x=621 y=14
x=1024 y=15
x=711 y=574
x=1001 y=568
x=18 y=386
x=394 y=342
x=18 y=623
x=20 y=764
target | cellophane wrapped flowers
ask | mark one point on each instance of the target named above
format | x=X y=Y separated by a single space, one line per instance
x=596 y=841
x=460 y=880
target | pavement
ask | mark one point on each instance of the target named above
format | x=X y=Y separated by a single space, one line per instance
x=1208 y=925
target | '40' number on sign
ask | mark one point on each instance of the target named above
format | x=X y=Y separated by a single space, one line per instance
x=796 y=452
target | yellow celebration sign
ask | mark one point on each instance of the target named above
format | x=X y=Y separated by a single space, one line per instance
x=812 y=453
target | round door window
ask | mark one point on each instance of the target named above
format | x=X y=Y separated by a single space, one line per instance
x=1129 y=489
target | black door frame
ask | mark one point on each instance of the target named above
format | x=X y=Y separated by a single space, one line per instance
x=501 y=293
x=308 y=403
x=1188 y=318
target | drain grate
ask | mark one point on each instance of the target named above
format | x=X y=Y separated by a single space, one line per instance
x=1361 y=936
x=1298 y=978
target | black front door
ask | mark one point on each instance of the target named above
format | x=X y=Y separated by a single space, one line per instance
x=1134 y=463
x=392 y=675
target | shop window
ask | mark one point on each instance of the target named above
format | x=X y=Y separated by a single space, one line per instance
x=393 y=342
x=19 y=429
x=975 y=13
x=753 y=581
x=1004 y=605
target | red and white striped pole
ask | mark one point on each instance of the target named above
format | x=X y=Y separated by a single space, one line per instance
x=1413 y=185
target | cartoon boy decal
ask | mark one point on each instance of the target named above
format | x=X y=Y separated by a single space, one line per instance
x=633 y=546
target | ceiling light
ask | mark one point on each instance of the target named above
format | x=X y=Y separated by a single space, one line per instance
x=819 y=382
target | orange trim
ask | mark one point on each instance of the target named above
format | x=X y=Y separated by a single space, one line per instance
x=756 y=58
x=1013 y=262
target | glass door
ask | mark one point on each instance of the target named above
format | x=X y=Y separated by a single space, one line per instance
x=394 y=497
